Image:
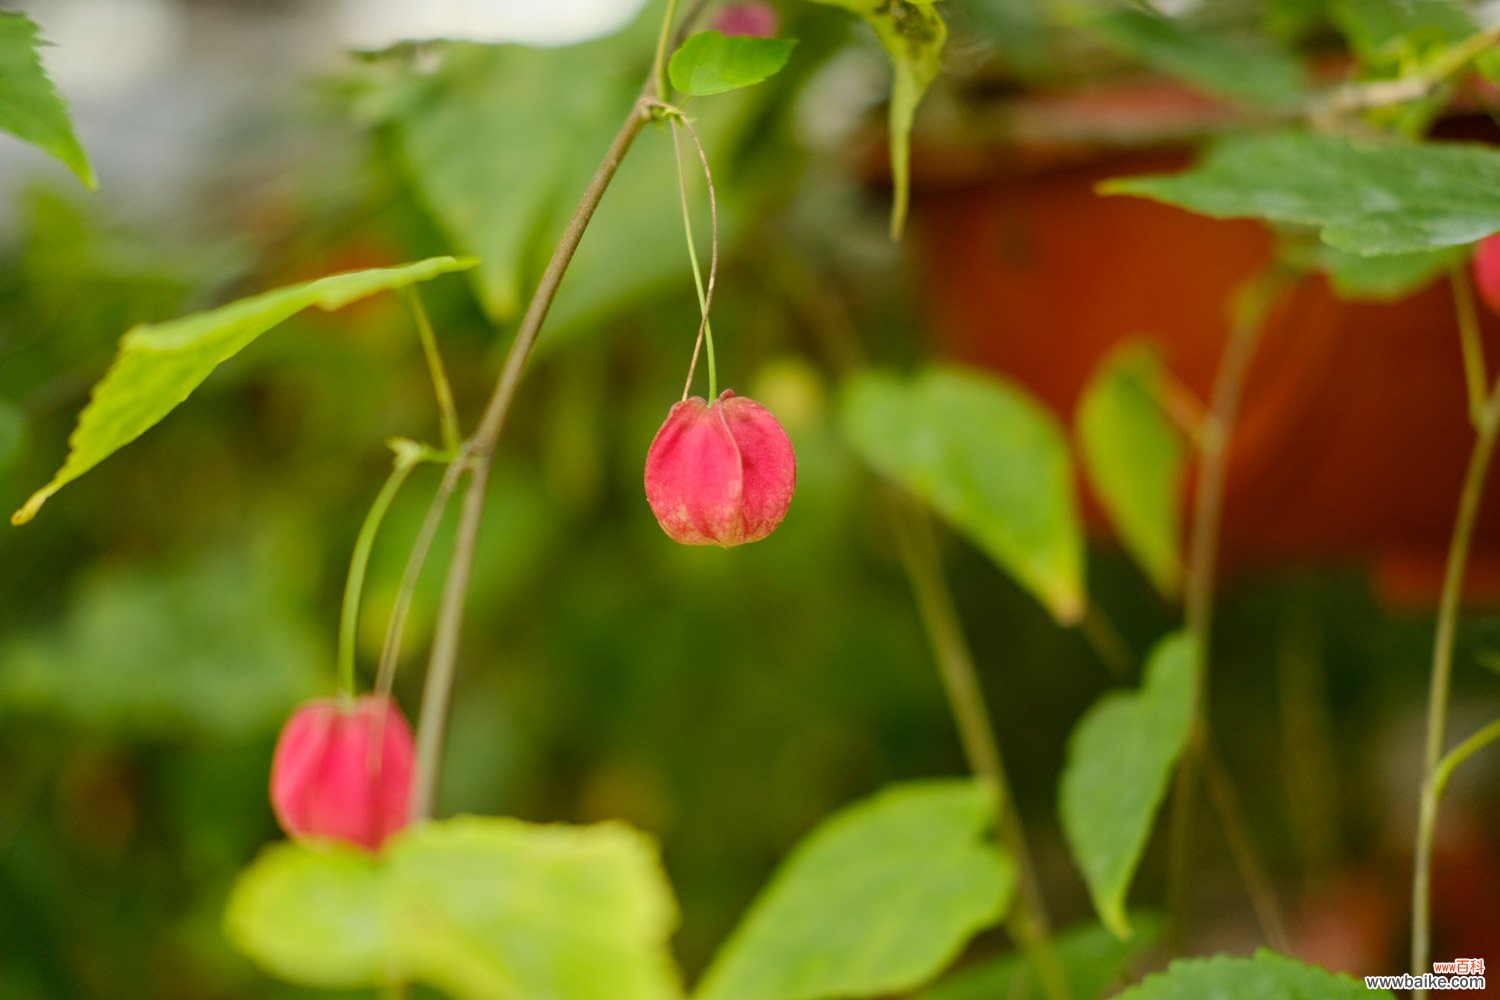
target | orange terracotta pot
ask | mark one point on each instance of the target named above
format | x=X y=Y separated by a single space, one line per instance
x=1353 y=437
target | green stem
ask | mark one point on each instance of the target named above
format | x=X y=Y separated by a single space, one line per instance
x=395 y=630
x=705 y=336
x=406 y=459
x=1468 y=748
x=452 y=437
x=1105 y=640
x=442 y=664
x=1248 y=321
x=955 y=662
x=1442 y=673
x=659 y=64
x=1360 y=96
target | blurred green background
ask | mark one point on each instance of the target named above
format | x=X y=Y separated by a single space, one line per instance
x=162 y=616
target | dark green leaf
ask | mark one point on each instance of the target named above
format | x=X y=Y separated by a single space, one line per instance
x=480 y=908
x=913 y=34
x=29 y=106
x=1136 y=459
x=1366 y=196
x=1120 y=758
x=711 y=63
x=1092 y=960
x=989 y=459
x=1246 y=69
x=1267 y=976
x=877 y=900
x=160 y=364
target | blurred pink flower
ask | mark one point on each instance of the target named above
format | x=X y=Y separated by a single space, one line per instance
x=343 y=772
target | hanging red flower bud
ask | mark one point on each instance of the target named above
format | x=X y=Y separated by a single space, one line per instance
x=343 y=772
x=756 y=20
x=1487 y=271
x=720 y=473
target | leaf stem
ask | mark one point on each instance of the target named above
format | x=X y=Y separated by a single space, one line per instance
x=1468 y=748
x=1442 y=673
x=1469 y=340
x=1248 y=320
x=705 y=336
x=477 y=450
x=955 y=662
x=1363 y=95
x=395 y=630
x=407 y=457
x=452 y=437
x=659 y=64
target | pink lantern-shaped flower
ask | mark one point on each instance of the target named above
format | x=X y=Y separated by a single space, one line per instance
x=720 y=473
x=343 y=772
x=757 y=20
x=1487 y=271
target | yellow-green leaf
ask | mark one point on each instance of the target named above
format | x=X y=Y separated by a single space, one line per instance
x=1136 y=460
x=160 y=364
x=480 y=908
x=1120 y=758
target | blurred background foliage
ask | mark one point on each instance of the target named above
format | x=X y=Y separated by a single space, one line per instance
x=163 y=615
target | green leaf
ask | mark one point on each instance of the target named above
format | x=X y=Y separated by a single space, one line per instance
x=1120 y=758
x=876 y=901
x=1267 y=976
x=1397 y=34
x=479 y=908
x=989 y=459
x=1092 y=960
x=160 y=364
x=1366 y=196
x=913 y=35
x=1244 y=69
x=1136 y=459
x=1377 y=279
x=29 y=106
x=312 y=914
x=711 y=63
x=499 y=908
x=499 y=143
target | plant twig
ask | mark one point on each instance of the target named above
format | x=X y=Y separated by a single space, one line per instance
x=1468 y=748
x=976 y=732
x=395 y=630
x=477 y=450
x=1247 y=323
x=1363 y=96
x=408 y=454
x=1442 y=673
x=1475 y=370
x=452 y=436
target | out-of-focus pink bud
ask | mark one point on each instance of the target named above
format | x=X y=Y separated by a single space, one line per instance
x=343 y=772
x=758 y=20
x=720 y=473
x=1487 y=271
